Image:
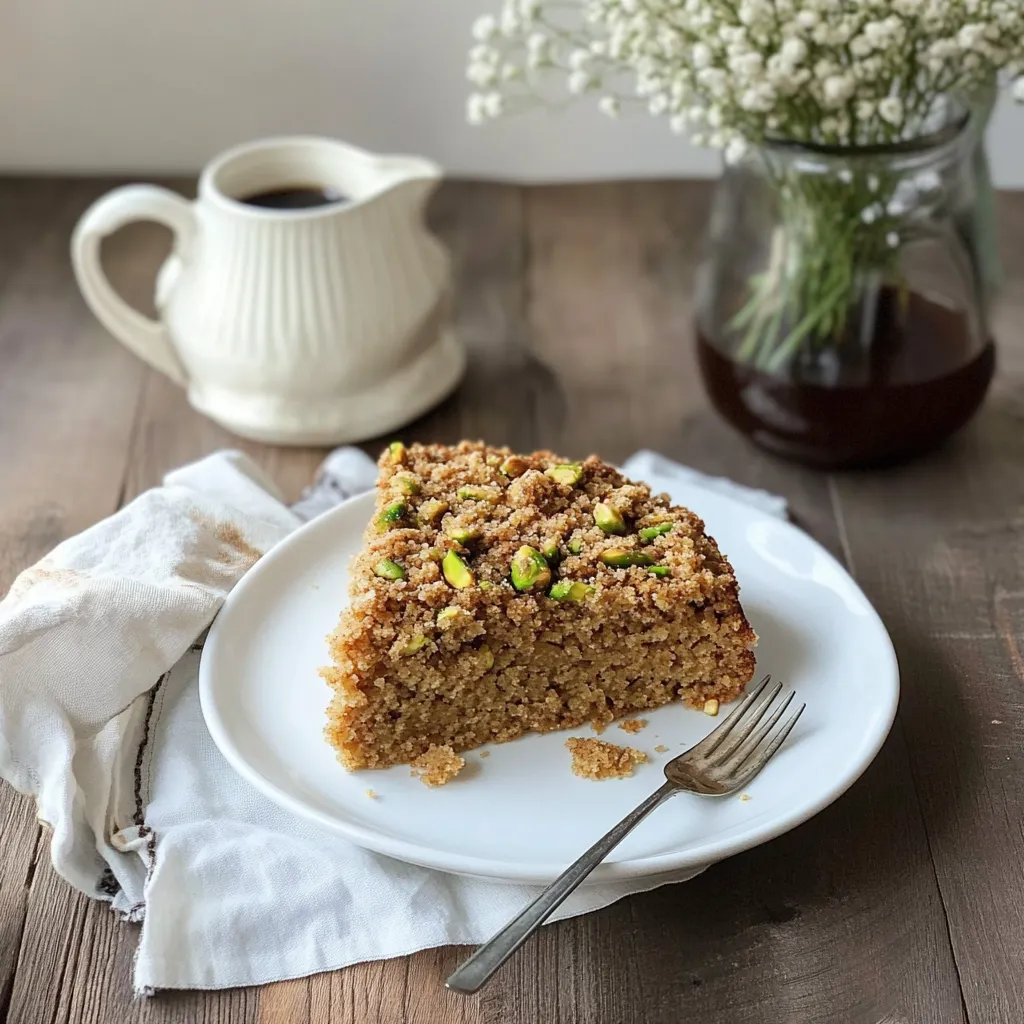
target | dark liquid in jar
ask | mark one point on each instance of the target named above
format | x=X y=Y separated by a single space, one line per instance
x=922 y=379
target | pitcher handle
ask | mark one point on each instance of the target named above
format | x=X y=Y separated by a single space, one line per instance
x=147 y=338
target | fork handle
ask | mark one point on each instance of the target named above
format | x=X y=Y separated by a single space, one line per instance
x=477 y=970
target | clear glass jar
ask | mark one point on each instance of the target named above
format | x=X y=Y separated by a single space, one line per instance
x=840 y=304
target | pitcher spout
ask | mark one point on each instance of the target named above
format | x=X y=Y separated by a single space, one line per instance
x=412 y=175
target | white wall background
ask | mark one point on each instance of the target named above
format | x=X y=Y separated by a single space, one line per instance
x=158 y=86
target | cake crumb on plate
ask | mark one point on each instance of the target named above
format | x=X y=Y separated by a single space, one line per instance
x=485 y=753
x=437 y=766
x=596 y=759
x=745 y=797
x=372 y=794
x=632 y=725
x=661 y=748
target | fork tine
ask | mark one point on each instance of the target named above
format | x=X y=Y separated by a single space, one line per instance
x=734 y=761
x=755 y=767
x=719 y=733
x=750 y=722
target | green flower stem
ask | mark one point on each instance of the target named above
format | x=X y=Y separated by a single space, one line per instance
x=821 y=253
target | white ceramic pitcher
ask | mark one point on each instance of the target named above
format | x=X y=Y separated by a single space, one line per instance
x=308 y=326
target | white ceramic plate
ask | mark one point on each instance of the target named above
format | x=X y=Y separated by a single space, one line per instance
x=520 y=815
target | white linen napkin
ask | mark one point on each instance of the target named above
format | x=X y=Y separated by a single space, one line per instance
x=100 y=722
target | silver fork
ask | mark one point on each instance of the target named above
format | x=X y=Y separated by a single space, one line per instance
x=721 y=763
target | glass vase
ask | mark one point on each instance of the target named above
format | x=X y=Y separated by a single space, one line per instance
x=840 y=305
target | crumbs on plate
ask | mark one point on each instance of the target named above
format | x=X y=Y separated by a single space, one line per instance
x=633 y=725
x=596 y=759
x=439 y=765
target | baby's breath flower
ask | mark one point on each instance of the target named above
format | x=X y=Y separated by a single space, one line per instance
x=891 y=109
x=609 y=106
x=475 y=109
x=838 y=89
x=579 y=82
x=841 y=71
x=485 y=28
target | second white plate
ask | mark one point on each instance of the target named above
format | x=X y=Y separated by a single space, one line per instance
x=520 y=815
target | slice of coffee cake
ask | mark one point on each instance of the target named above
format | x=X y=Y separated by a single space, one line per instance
x=501 y=593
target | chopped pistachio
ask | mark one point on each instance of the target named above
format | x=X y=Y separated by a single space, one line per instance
x=529 y=569
x=456 y=572
x=390 y=516
x=477 y=494
x=389 y=570
x=711 y=707
x=485 y=584
x=430 y=509
x=514 y=465
x=406 y=483
x=460 y=532
x=609 y=519
x=567 y=590
x=549 y=549
x=620 y=558
x=650 y=532
x=658 y=570
x=446 y=615
x=486 y=657
x=397 y=451
x=566 y=473
x=414 y=644
x=575 y=547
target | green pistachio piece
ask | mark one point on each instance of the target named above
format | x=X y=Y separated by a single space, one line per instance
x=388 y=570
x=485 y=584
x=406 y=483
x=620 y=558
x=414 y=644
x=397 y=451
x=658 y=570
x=567 y=590
x=430 y=509
x=575 y=547
x=390 y=516
x=514 y=465
x=566 y=473
x=477 y=494
x=549 y=549
x=446 y=615
x=529 y=569
x=486 y=657
x=650 y=532
x=456 y=572
x=460 y=533
x=609 y=519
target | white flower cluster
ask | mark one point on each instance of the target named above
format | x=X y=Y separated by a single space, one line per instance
x=734 y=72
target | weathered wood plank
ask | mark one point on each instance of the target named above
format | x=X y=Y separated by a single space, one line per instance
x=61 y=463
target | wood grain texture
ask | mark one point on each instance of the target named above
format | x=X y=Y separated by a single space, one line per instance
x=903 y=902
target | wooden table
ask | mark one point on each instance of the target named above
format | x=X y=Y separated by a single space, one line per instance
x=903 y=902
